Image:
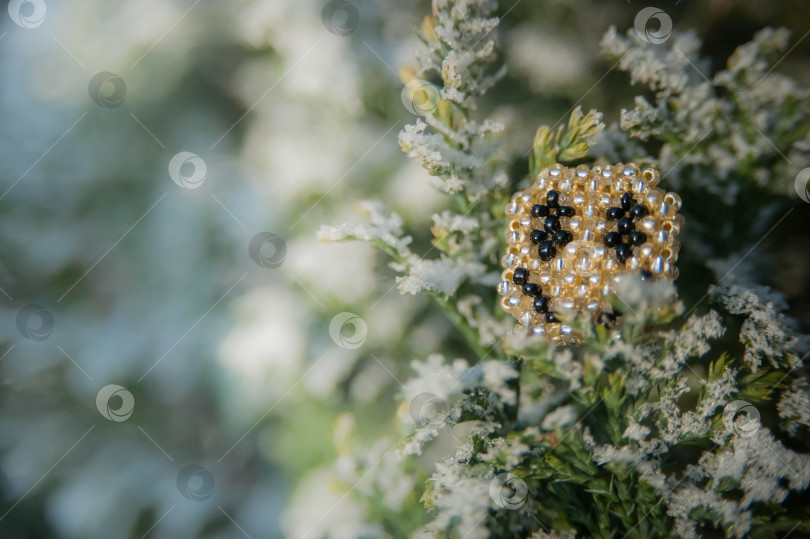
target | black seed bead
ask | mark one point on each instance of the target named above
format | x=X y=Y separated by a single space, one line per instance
x=624 y=226
x=538 y=235
x=551 y=224
x=551 y=319
x=612 y=239
x=606 y=319
x=546 y=251
x=623 y=251
x=638 y=238
x=541 y=304
x=627 y=201
x=553 y=199
x=538 y=210
x=566 y=211
x=614 y=214
x=520 y=276
x=645 y=275
x=563 y=237
x=531 y=289
x=638 y=211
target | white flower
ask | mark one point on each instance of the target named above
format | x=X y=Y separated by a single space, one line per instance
x=559 y=418
x=382 y=226
x=794 y=406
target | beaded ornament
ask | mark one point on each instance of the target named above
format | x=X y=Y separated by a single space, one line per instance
x=575 y=233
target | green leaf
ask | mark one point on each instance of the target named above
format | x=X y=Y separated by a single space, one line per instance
x=566 y=144
x=758 y=386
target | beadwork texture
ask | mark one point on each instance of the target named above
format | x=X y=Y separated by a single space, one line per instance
x=575 y=233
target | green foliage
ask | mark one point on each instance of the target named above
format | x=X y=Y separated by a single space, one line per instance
x=567 y=143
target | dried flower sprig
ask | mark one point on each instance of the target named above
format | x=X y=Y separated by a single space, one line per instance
x=669 y=425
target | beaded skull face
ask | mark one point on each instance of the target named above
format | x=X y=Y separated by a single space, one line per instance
x=575 y=233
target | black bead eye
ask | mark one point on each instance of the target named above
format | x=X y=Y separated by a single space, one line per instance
x=551 y=319
x=566 y=211
x=520 y=276
x=638 y=238
x=546 y=251
x=538 y=235
x=627 y=201
x=625 y=226
x=612 y=239
x=645 y=275
x=531 y=289
x=541 y=304
x=551 y=224
x=539 y=210
x=614 y=214
x=639 y=211
x=563 y=237
x=553 y=199
x=623 y=251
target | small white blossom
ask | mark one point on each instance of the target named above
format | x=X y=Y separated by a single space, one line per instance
x=442 y=276
x=764 y=331
x=382 y=226
x=794 y=406
x=559 y=418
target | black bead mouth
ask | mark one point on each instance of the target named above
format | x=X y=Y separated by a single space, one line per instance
x=540 y=303
x=530 y=289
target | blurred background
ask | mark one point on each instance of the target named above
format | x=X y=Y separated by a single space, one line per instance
x=179 y=356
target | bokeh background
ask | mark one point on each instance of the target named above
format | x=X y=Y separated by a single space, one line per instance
x=179 y=355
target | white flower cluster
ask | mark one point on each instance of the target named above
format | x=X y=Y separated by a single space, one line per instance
x=794 y=407
x=441 y=276
x=462 y=502
x=458 y=154
x=469 y=170
x=766 y=333
x=751 y=459
x=760 y=466
x=463 y=49
x=382 y=226
x=444 y=385
x=747 y=124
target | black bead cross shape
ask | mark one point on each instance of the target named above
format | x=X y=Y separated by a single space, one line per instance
x=626 y=236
